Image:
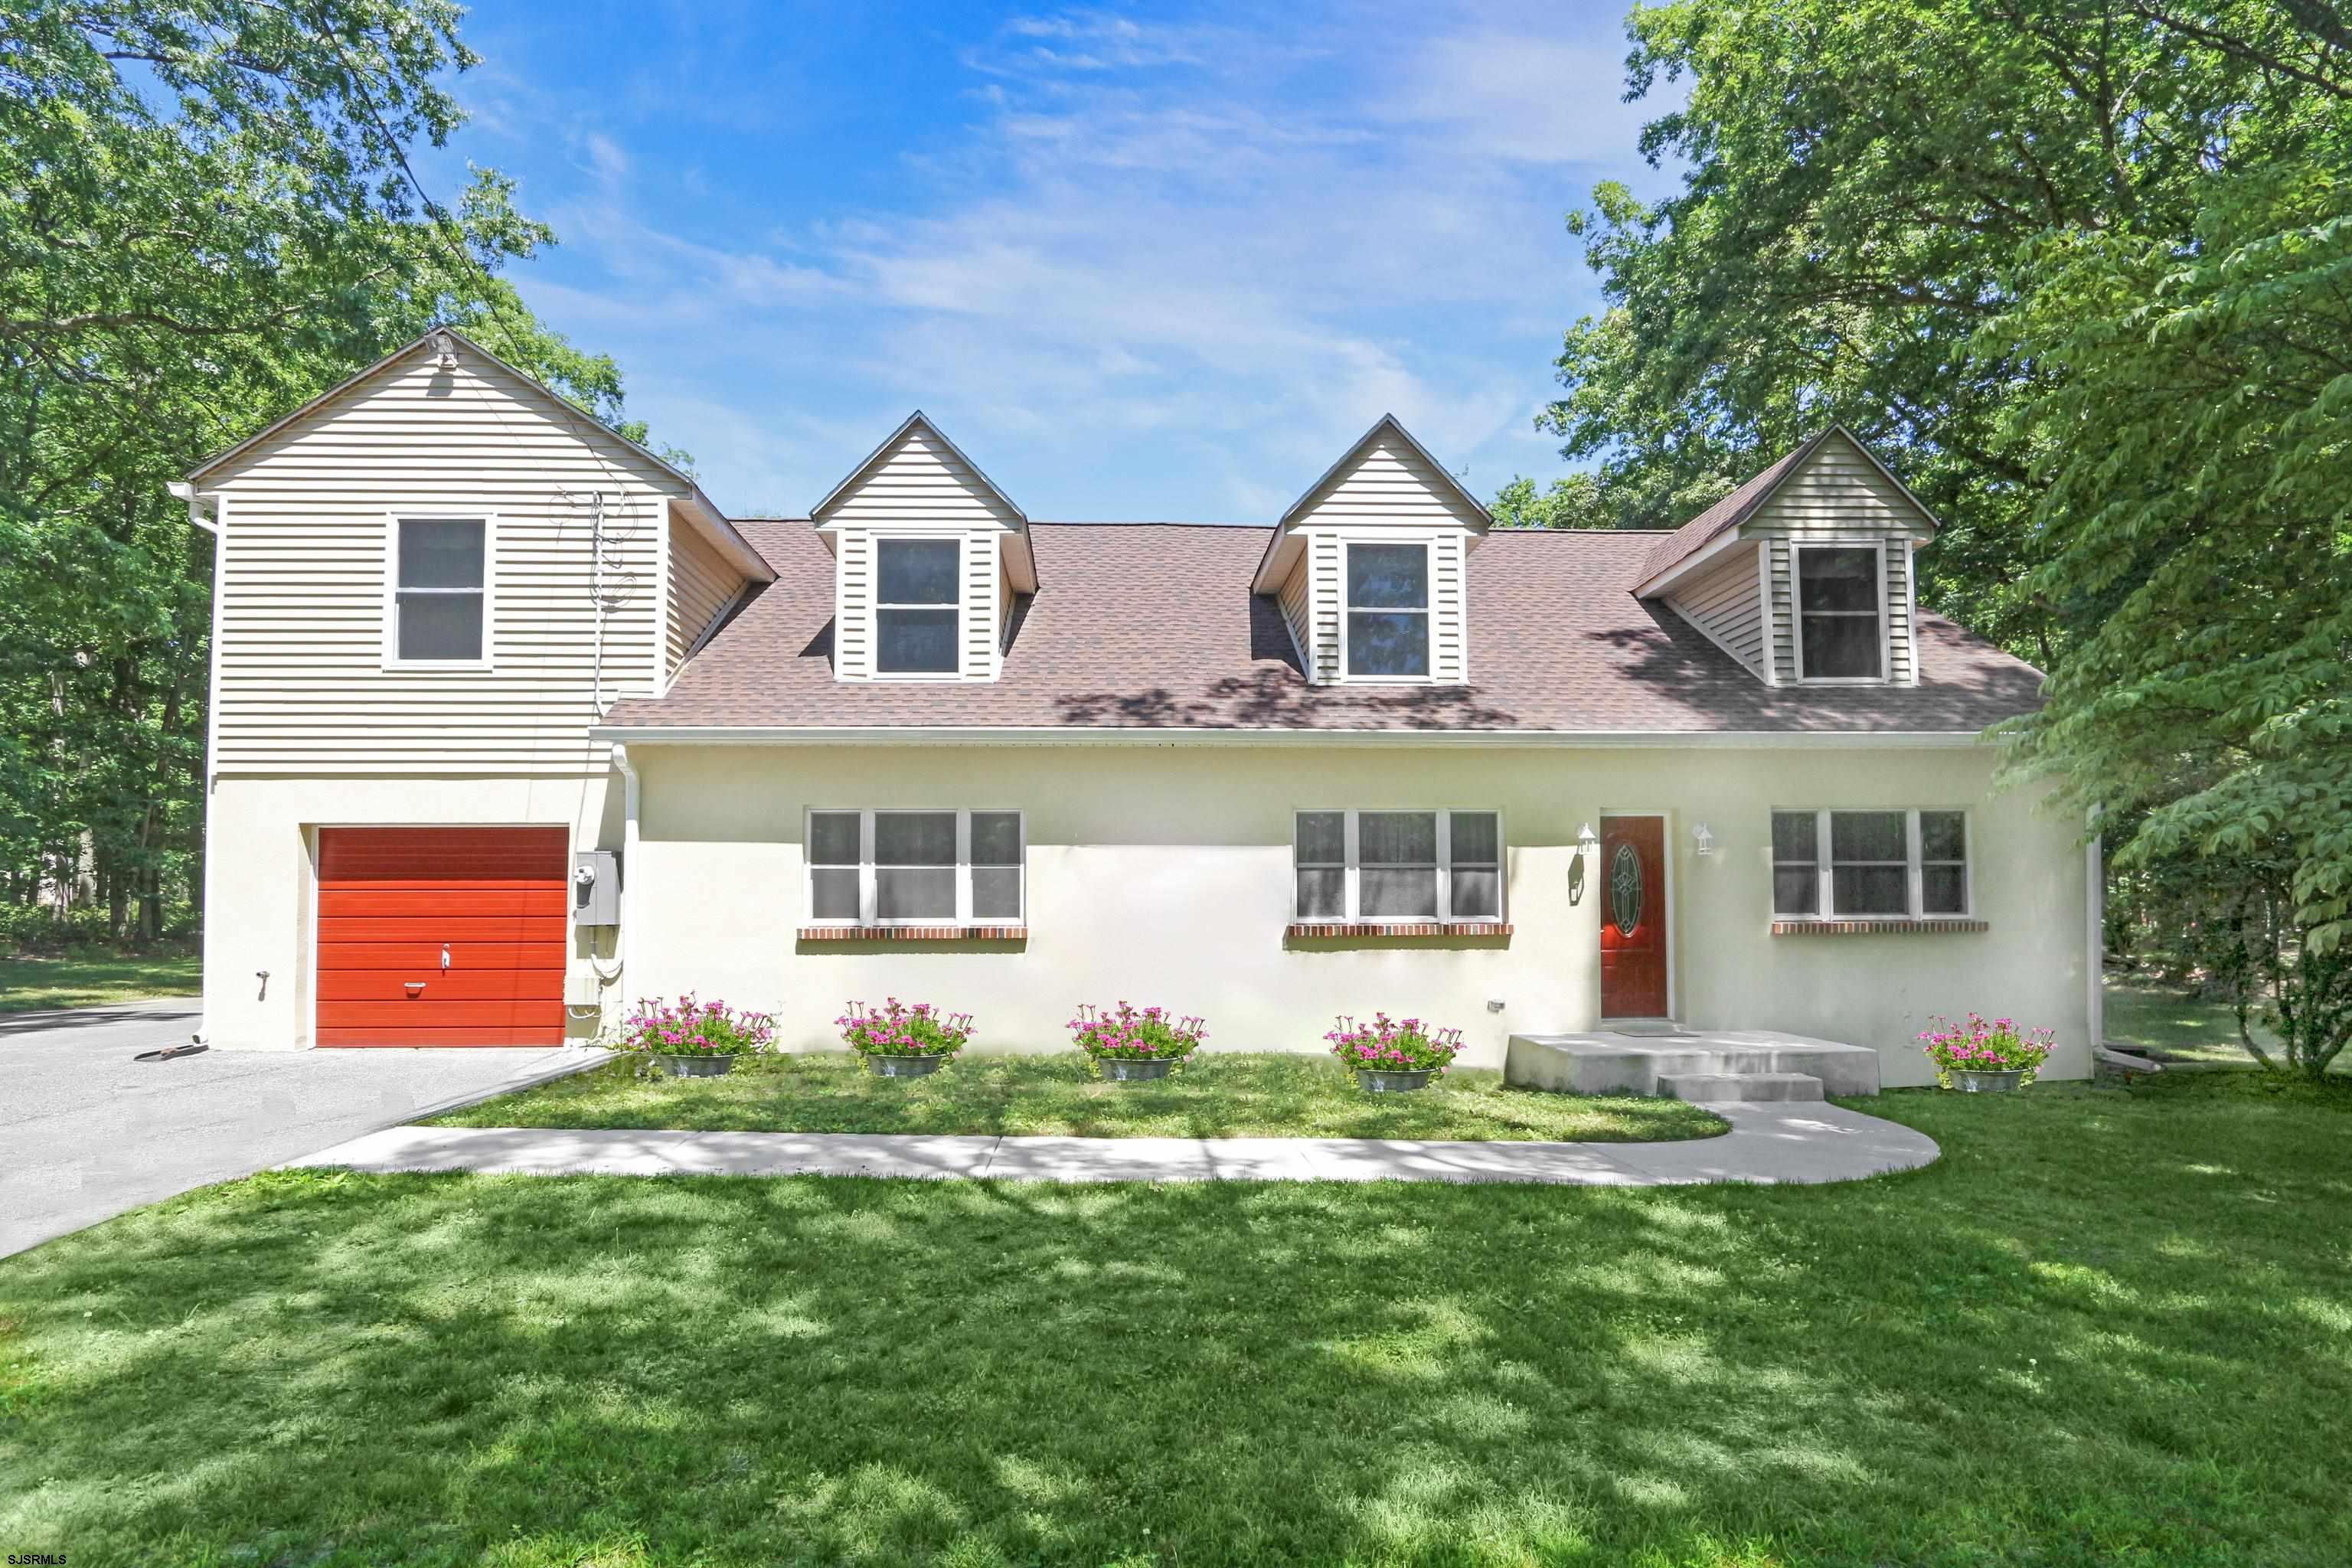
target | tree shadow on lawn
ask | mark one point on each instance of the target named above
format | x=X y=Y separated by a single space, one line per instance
x=1980 y=1362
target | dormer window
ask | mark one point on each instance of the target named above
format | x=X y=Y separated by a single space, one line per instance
x=1840 y=612
x=1388 y=612
x=916 y=607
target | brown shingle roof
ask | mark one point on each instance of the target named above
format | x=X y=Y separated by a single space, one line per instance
x=1152 y=625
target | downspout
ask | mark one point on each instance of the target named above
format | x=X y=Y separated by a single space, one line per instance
x=630 y=792
x=185 y=491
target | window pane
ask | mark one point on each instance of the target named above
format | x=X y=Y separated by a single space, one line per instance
x=1322 y=895
x=996 y=892
x=1322 y=838
x=905 y=895
x=1796 y=891
x=1477 y=838
x=1398 y=893
x=1397 y=838
x=1944 y=890
x=916 y=571
x=915 y=642
x=440 y=553
x=1795 y=836
x=1871 y=890
x=1943 y=836
x=1387 y=577
x=1477 y=895
x=914 y=837
x=1866 y=835
x=1396 y=644
x=1837 y=580
x=996 y=838
x=832 y=839
x=440 y=625
x=1843 y=647
x=832 y=893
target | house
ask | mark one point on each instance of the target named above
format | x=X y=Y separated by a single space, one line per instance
x=512 y=726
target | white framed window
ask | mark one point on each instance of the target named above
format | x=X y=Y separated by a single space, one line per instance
x=437 y=605
x=1384 y=624
x=945 y=865
x=1353 y=867
x=1908 y=864
x=1840 y=595
x=919 y=606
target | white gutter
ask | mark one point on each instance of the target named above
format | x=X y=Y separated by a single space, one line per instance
x=630 y=791
x=196 y=503
x=1174 y=735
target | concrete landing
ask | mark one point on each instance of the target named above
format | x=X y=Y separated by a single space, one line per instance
x=1605 y=1062
x=1726 y=1088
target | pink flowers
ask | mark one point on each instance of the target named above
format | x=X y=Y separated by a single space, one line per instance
x=1387 y=1044
x=692 y=1027
x=1980 y=1047
x=1131 y=1034
x=902 y=1029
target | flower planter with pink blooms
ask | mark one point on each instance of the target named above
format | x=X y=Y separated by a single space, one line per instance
x=1393 y=1056
x=692 y=1038
x=1132 y=1045
x=1980 y=1058
x=902 y=1040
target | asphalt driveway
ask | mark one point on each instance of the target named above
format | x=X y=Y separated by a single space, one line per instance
x=87 y=1132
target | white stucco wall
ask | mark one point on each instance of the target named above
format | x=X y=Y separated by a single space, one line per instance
x=1162 y=874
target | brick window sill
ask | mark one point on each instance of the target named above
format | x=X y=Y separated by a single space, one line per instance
x=915 y=933
x=1876 y=928
x=1397 y=928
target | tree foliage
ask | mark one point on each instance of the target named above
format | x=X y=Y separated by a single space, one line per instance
x=207 y=216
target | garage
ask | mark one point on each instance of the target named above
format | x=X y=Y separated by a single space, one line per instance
x=442 y=936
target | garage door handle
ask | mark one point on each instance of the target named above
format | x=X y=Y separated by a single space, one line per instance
x=416 y=987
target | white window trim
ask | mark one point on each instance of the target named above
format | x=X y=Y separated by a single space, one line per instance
x=1352 y=900
x=1797 y=548
x=391 y=648
x=1915 y=898
x=1428 y=610
x=867 y=901
x=962 y=607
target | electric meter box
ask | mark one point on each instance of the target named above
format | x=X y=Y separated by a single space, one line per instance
x=595 y=888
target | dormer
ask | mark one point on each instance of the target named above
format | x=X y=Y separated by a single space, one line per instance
x=1371 y=566
x=1804 y=573
x=929 y=559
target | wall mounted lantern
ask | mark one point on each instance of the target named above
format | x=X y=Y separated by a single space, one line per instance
x=1702 y=836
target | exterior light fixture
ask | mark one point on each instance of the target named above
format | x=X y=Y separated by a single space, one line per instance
x=1702 y=836
x=445 y=345
x=1588 y=841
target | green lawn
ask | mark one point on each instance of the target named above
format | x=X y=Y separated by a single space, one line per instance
x=31 y=982
x=2175 y=1026
x=1222 y=1095
x=2108 y=1327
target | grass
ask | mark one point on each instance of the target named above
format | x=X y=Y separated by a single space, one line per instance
x=2174 y=1027
x=33 y=982
x=1222 y=1095
x=2110 y=1326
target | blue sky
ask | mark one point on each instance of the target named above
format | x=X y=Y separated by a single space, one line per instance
x=1140 y=263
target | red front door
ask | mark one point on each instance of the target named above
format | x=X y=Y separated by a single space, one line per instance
x=1633 y=917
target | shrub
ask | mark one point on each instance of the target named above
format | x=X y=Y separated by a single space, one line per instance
x=1391 y=1044
x=688 y=1028
x=1979 y=1046
x=1130 y=1035
x=901 y=1029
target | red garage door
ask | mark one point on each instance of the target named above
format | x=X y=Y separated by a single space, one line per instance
x=393 y=901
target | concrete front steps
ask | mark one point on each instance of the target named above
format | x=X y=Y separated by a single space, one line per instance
x=1705 y=1066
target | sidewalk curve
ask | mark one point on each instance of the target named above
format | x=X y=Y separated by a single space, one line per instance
x=1767 y=1144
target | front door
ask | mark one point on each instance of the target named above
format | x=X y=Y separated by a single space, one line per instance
x=1633 y=917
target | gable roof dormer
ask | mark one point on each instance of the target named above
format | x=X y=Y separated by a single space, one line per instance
x=1370 y=565
x=1813 y=555
x=929 y=557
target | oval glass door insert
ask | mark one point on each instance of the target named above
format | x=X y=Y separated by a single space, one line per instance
x=1626 y=889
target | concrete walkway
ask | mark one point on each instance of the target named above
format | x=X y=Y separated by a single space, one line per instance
x=1766 y=1143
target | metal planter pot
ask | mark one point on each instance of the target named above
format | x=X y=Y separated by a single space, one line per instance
x=1988 y=1082
x=906 y=1067
x=1382 y=1080
x=696 y=1066
x=1130 y=1070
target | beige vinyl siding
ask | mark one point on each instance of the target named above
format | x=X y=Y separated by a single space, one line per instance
x=303 y=687
x=1840 y=494
x=701 y=585
x=1389 y=484
x=1294 y=600
x=1449 y=609
x=1727 y=603
x=1006 y=599
x=919 y=486
x=1326 y=557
